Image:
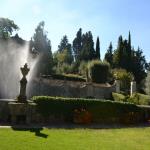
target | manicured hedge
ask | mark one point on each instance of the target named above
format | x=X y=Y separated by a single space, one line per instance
x=69 y=77
x=146 y=112
x=119 y=97
x=98 y=71
x=137 y=98
x=102 y=111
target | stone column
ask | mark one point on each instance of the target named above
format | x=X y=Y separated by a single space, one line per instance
x=132 y=88
x=117 y=83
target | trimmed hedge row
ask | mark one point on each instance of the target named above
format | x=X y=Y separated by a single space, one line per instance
x=137 y=98
x=69 y=77
x=102 y=111
x=119 y=97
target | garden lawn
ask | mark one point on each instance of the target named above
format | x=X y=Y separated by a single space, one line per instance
x=75 y=139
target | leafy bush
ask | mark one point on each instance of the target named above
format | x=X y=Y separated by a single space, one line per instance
x=139 y=99
x=63 y=68
x=119 y=97
x=101 y=110
x=124 y=77
x=83 y=68
x=98 y=71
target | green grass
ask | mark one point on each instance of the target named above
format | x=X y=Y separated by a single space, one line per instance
x=76 y=139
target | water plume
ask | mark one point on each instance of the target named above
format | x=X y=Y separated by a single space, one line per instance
x=13 y=55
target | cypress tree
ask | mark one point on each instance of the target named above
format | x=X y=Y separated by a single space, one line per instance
x=109 y=55
x=87 y=51
x=65 y=49
x=77 y=45
x=129 y=40
x=42 y=45
x=98 y=48
x=129 y=51
x=118 y=53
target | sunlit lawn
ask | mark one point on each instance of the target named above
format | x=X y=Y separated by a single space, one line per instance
x=75 y=139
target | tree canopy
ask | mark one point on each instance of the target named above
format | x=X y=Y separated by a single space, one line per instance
x=41 y=45
x=82 y=49
x=109 y=55
x=7 y=26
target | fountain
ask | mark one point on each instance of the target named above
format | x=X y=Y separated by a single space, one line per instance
x=12 y=97
x=22 y=109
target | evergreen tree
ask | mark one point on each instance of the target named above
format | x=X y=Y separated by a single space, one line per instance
x=77 y=45
x=63 y=44
x=98 y=49
x=123 y=54
x=138 y=65
x=87 y=51
x=127 y=58
x=42 y=46
x=109 y=55
x=118 y=53
x=65 y=49
x=129 y=41
x=129 y=53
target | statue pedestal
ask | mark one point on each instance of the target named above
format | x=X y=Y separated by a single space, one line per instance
x=21 y=113
x=22 y=99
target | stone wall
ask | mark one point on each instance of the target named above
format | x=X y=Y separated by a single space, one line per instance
x=4 y=110
x=13 y=112
x=70 y=89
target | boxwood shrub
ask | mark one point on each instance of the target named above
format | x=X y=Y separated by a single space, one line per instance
x=98 y=71
x=103 y=111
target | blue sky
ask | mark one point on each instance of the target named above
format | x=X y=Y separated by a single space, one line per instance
x=105 y=18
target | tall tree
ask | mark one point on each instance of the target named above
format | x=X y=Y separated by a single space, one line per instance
x=139 y=65
x=129 y=52
x=129 y=40
x=7 y=26
x=109 y=55
x=63 y=44
x=65 y=51
x=87 y=51
x=42 y=45
x=127 y=58
x=118 y=53
x=98 y=49
x=77 y=45
x=123 y=54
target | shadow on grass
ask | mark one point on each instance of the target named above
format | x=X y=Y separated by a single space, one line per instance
x=95 y=126
x=37 y=130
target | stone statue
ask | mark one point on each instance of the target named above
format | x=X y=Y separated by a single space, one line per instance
x=22 y=98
